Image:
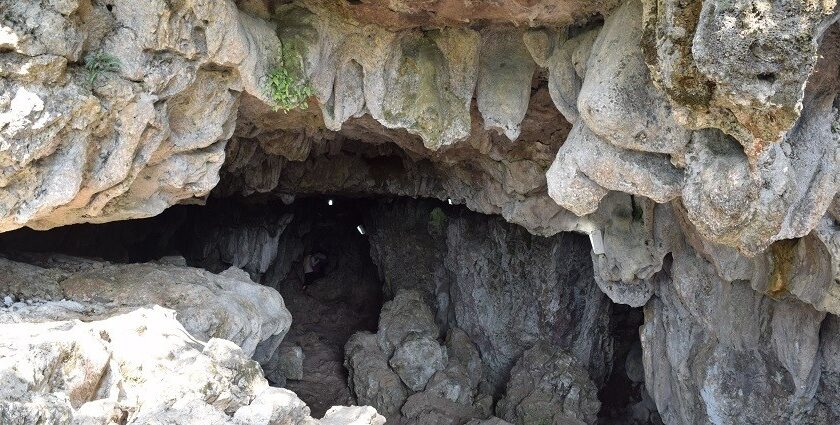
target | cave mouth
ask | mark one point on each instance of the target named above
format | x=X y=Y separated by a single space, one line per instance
x=271 y=239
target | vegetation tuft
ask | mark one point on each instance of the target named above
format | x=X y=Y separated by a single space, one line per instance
x=99 y=62
x=287 y=85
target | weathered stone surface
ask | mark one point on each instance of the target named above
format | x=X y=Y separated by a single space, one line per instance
x=352 y=415
x=407 y=14
x=617 y=100
x=141 y=366
x=103 y=360
x=286 y=363
x=549 y=386
x=505 y=72
x=228 y=305
x=736 y=66
x=790 y=185
x=137 y=140
x=407 y=315
x=499 y=274
x=417 y=359
x=372 y=381
x=760 y=356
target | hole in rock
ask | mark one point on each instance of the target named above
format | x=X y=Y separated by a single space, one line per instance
x=768 y=77
x=408 y=305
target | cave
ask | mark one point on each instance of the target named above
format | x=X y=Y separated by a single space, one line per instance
x=485 y=212
x=374 y=249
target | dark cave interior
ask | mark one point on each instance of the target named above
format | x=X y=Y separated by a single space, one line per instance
x=270 y=240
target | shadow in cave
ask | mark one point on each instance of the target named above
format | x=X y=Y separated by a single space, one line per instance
x=270 y=241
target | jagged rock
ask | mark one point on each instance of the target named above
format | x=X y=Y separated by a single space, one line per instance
x=352 y=415
x=275 y=406
x=427 y=409
x=462 y=350
x=141 y=366
x=416 y=359
x=84 y=147
x=404 y=316
x=739 y=66
x=745 y=337
x=499 y=275
x=372 y=381
x=549 y=386
x=492 y=421
x=784 y=190
x=407 y=14
x=228 y=305
x=453 y=384
x=100 y=360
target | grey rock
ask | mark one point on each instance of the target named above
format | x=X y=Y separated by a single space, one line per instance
x=505 y=71
x=549 y=386
x=748 y=338
x=228 y=306
x=286 y=363
x=499 y=274
x=427 y=409
x=417 y=359
x=618 y=100
x=406 y=315
x=372 y=381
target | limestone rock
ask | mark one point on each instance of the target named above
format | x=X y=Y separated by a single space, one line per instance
x=746 y=337
x=275 y=406
x=352 y=415
x=504 y=81
x=500 y=273
x=739 y=67
x=228 y=306
x=286 y=363
x=549 y=386
x=404 y=316
x=127 y=143
x=417 y=359
x=618 y=100
x=101 y=360
x=372 y=381
x=423 y=408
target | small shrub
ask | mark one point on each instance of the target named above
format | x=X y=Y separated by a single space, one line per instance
x=99 y=62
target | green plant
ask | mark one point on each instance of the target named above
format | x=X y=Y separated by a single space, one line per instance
x=288 y=87
x=99 y=62
x=437 y=221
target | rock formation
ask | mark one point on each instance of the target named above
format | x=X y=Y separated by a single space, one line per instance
x=695 y=142
x=114 y=355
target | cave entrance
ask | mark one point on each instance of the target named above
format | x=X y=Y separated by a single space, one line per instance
x=271 y=241
x=420 y=308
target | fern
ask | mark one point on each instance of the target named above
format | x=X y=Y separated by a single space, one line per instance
x=288 y=87
x=288 y=90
